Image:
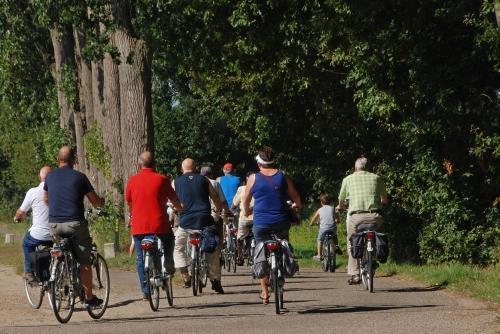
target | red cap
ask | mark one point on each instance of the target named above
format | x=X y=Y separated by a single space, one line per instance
x=228 y=166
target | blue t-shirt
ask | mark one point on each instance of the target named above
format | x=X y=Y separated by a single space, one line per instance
x=229 y=184
x=67 y=188
x=193 y=192
x=270 y=194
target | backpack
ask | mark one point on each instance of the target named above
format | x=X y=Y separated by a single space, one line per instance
x=382 y=247
x=40 y=260
x=357 y=245
x=210 y=240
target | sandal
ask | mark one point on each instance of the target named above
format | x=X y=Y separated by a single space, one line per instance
x=265 y=301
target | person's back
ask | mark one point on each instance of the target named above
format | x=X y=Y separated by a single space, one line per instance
x=326 y=217
x=193 y=191
x=66 y=190
x=363 y=189
x=229 y=184
x=148 y=192
x=270 y=194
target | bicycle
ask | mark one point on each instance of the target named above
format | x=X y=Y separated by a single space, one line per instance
x=277 y=273
x=65 y=283
x=199 y=267
x=154 y=258
x=230 y=251
x=367 y=263
x=328 y=253
x=36 y=289
x=248 y=247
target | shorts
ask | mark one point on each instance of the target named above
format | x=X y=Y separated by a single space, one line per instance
x=263 y=233
x=244 y=227
x=323 y=231
x=79 y=233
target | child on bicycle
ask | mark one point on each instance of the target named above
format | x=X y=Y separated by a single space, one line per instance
x=327 y=218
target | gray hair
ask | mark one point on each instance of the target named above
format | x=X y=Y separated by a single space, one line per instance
x=361 y=163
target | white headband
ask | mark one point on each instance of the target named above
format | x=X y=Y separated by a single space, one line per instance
x=261 y=161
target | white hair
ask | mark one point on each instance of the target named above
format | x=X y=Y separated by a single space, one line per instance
x=361 y=163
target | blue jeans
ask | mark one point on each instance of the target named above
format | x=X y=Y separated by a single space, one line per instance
x=168 y=249
x=29 y=246
x=323 y=231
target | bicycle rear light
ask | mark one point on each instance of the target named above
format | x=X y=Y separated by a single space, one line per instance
x=272 y=246
x=147 y=245
x=194 y=242
x=55 y=252
x=370 y=235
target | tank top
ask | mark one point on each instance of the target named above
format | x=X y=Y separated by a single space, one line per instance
x=326 y=216
x=270 y=195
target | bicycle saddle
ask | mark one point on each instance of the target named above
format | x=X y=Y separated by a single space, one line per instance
x=365 y=228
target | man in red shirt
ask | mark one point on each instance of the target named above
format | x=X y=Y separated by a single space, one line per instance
x=146 y=194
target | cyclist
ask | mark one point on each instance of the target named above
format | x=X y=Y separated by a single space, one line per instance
x=245 y=221
x=229 y=182
x=194 y=192
x=327 y=222
x=39 y=232
x=146 y=194
x=270 y=189
x=65 y=189
x=366 y=192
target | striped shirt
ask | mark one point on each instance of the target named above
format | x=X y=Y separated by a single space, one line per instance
x=363 y=189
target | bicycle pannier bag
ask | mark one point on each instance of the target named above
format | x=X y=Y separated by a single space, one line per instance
x=289 y=262
x=357 y=245
x=382 y=247
x=260 y=267
x=40 y=260
x=210 y=240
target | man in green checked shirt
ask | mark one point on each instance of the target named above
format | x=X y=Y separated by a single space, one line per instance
x=366 y=193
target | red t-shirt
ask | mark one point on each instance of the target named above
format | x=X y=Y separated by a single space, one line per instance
x=147 y=192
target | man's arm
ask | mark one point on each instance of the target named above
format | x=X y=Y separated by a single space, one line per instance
x=383 y=192
x=171 y=195
x=215 y=198
x=342 y=195
x=20 y=215
x=314 y=218
x=96 y=201
x=25 y=207
x=293 y=193
x=247 y=198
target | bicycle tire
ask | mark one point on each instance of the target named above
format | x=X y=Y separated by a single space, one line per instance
x=169 y=291
x=34 y=293
x=369 y=271
x=61 y=290
x=325 y=256
x=100 y=286
x=332 y=264
x=154 y=291
x=362 y=270
x=194 y=276
x=276 y=290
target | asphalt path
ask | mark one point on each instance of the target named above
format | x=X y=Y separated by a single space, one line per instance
x=315 y=302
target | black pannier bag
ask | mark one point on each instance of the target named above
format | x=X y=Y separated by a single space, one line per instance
x=382 y=247
x=210 y=240
x=289 y=263
x=357 y=245
x=40 y=261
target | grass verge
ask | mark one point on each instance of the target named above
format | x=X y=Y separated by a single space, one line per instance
x=11 y=254
x=473 y=281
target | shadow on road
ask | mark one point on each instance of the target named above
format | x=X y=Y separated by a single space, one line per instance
x=349 y=309
x=413 y=289
x=124 y=303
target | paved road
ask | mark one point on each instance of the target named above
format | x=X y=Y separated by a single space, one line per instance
x=317 y=303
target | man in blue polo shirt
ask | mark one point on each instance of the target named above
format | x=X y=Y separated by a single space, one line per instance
x=229 y=182
x=65 y=189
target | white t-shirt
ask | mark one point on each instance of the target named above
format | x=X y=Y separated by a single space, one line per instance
x=34 y=201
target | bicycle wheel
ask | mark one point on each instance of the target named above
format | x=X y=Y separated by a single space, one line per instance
x=369 y=271
x=234 y=255
x=276 y=290
x=154 y=290
x=332 y=256
x=100 y=286
x=34 y=293
x=325 y=256
x=62 y=294
x=362 y=270
x=169 y=291
x=195 y=281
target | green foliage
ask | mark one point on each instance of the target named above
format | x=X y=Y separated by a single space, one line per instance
x=95 y=151
x=104 y=228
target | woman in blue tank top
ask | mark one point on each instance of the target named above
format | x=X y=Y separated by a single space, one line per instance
x=270 y=188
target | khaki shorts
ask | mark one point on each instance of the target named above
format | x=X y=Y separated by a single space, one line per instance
x=79 y=233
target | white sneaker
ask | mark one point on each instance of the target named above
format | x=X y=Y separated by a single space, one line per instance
x=317 y=258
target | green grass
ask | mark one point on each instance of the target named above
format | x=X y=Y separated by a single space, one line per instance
x=11 y=254
x=473 y=281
